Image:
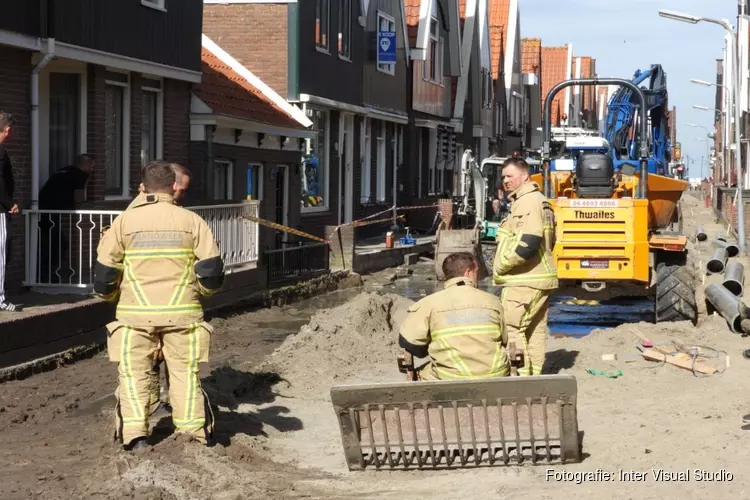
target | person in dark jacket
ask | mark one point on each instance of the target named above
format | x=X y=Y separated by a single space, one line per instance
x=64 y=190
x=8 y=207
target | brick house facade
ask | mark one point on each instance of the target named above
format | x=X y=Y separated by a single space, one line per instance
x=92 y=87
x=251 y=138
x=320 y=55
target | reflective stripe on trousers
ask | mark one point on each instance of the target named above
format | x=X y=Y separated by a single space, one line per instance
x=525 y=310
x=181 y=349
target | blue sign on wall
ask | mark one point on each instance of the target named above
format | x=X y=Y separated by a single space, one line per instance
x=386 y=47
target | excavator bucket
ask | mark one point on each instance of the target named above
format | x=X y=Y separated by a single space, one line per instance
x=459 y=240
x=448 y=424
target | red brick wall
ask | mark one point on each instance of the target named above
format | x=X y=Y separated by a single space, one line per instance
x=255 y=35
x=176 y=121
x=15 y=84
x=96 y=86
x=729 y=211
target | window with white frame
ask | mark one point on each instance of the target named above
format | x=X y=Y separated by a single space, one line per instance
x=64 y=119
x=345 y=28
x=322 y=17
x=365 y=188
x=157 y=4
x=381 y=161
x=386 y=23
x=151 y=120
x=116 y=133
x=222 y=180
x=254 y=180
x=433 y=65
x=316 y=163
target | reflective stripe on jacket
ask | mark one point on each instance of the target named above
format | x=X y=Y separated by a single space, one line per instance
x=525 y=240
x=158 y=259
x=463 y=331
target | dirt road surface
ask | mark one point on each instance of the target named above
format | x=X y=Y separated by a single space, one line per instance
x=278 y=436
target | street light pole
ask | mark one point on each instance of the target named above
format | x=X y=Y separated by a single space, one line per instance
x=688 y=18
x=726 y=113
x=708 y=134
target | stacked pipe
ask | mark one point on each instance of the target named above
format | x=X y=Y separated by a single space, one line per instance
x=726 y=298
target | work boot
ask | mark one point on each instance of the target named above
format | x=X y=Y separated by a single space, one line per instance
x=137 y=444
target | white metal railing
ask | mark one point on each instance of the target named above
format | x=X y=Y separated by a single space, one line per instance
x=61 y=244
x=237 y=237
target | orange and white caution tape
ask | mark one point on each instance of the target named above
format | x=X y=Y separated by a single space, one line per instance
x=364 y=221
x=377 y=221
x=282 y=227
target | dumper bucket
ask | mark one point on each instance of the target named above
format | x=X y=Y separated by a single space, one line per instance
x=459 y=240
x=663 y=195
x=457 y=424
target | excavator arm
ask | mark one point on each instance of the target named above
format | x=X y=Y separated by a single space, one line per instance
x=624 y=114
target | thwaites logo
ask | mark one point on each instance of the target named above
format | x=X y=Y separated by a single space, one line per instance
x=594 y=214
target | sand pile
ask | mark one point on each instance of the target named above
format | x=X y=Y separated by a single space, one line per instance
x=343 y=343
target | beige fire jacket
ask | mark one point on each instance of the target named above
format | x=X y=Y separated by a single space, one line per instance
x=461 y=329
x=158 y=259
x=525 y=240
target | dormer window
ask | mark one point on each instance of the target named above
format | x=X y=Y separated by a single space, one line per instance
x=433 y=66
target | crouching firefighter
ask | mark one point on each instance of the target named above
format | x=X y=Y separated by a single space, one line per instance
x=524 y=265
x=155 y=261
x=460 y=328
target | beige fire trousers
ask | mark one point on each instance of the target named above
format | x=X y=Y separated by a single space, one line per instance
x=133 y=348
x=525 y=311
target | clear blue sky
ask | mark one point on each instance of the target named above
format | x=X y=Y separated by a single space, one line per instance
x=627 y=35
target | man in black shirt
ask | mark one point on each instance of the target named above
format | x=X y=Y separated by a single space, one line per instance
x=8 y=207
x=64 y=190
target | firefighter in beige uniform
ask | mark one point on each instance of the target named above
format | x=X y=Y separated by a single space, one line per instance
x=158 y=259
x=524 y=264
x=460 y=328
x=182 y=183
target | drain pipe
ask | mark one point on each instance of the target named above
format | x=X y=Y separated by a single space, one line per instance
x=49 y=54
x=727 y=305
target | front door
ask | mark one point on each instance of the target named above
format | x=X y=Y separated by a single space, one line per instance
x=347 y=160
x=281 y=207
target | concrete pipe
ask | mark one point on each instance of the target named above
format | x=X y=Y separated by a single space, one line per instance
x=717 y=262
x=734 y=278
x=700 y=234
x=732 y=249
x=727 y=305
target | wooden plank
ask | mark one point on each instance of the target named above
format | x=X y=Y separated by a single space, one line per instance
x=681 y=360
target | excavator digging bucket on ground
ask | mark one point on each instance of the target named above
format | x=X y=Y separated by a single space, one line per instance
x=459 y=240
x=448 y=424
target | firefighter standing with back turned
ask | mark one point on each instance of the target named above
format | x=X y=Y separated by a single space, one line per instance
x=158 y=259
x=524 y=264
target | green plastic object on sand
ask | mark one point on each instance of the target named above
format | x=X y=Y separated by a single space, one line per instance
x=605 y=374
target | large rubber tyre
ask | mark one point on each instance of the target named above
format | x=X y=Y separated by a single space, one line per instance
x=675 y=293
